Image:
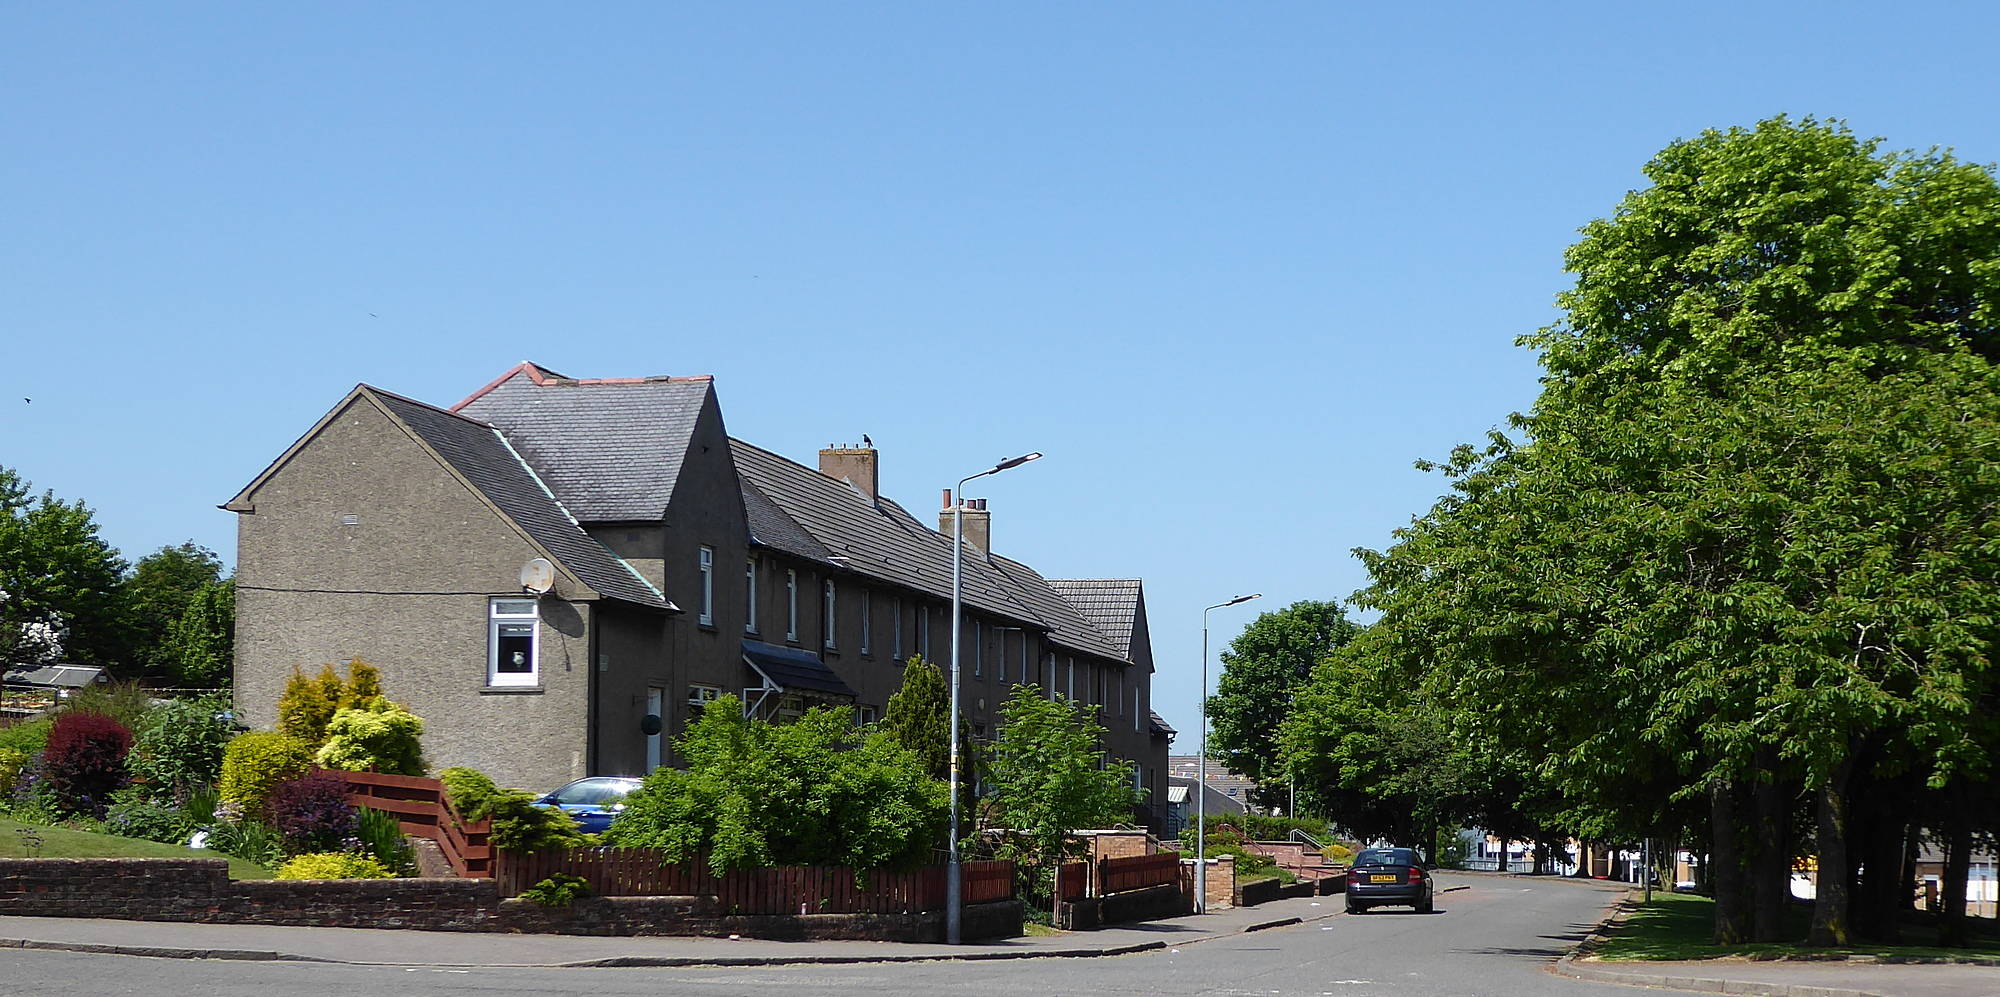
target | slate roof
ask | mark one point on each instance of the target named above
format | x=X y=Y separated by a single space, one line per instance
x=1110 y=604
x=878 y=538
x=482 y=455
x=574 y=431
x=1158 y=724
x=770 y=527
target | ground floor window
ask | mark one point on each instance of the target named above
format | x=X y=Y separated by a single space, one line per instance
x=699 y=696
x=512 y=629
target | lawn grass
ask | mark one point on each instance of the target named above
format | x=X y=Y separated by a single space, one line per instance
x=1680 y=926
x=1034 y=930
x=67 y=843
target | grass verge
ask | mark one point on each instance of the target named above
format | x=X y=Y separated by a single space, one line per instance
x=1679 y=926
x=66 y=843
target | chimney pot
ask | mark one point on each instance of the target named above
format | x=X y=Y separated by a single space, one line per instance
x=973 y=519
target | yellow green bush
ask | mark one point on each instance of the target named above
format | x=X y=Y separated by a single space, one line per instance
x=378 y=736
x=333 y=865
x=253 y=764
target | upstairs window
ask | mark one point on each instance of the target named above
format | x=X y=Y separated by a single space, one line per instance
x=924 y=632
x=707 y=587
x=750 y=596
x=898 y=643
x=978 y=649
x=867 y=620
x=512 y=631
x=830 y=620
x=791 y=604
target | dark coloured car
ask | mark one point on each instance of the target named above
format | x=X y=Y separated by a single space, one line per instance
x=592 y=802
x=1384 y=877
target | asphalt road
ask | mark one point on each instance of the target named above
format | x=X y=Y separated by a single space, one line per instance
x=1494 y=937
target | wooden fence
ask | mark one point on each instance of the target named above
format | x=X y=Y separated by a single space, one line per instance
x=420 y=806
x=1137 y=872
x=1074 y=880
x=638 y=872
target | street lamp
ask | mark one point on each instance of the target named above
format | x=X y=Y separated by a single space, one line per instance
x=953 y=887
x=1201 y=767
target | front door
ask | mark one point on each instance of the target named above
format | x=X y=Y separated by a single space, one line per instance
x=656 y=704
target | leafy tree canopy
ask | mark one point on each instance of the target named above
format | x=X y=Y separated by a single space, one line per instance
x=62 y=582
x=1049 y=775
x=1262 y=669
x=157 y=595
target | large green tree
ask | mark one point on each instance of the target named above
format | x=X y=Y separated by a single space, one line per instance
x=1742 y=553
x=200 y=649
x=1262 y=669
x=157 y=594
x=61 y=582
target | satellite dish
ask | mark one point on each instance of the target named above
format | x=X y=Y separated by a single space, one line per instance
x=538 y=576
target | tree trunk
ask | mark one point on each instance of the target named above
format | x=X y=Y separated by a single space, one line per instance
x=1732 y=916
x=1884 y=893
x=1952 y=929
x=1770 y=851
x=1830 y=909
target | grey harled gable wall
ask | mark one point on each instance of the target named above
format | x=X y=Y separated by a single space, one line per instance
x=432 y=552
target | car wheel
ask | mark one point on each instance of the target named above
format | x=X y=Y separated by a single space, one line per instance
x=1354 y=908
x=1425 y=907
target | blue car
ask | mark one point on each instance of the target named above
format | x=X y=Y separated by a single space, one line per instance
x=594 y=802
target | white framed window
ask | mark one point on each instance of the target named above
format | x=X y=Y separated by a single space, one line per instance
x=1072 y=678
x=707 y=586
x=791 y=604
x=867 y=618
x=924 y=631
x=750 y=595
x=699 y=696
x=830 y=620
x=865 y=715
x=513 y=634
x=898 y=643
x=1137 y=723
x=978 y=649
x=1024 y=655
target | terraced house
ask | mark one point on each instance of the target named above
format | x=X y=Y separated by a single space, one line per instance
x=548 y=564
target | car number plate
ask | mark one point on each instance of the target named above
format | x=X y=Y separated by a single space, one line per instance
x=1381 y=879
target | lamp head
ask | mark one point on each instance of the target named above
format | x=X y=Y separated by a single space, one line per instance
x=1017 y=461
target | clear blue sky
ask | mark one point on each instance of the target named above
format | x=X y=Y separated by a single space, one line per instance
x=1233 y=267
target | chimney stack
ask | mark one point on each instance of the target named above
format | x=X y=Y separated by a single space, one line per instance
x=978 y=523
x=852 y=464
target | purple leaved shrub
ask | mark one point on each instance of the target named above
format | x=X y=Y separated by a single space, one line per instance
x=312 y=813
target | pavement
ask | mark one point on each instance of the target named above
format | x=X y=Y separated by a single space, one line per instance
x=389 y=947
x=407 y=948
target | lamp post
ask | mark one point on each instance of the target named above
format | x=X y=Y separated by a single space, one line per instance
x=953 y=886
x=1201 y=767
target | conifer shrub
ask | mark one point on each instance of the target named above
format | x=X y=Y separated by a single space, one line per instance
x=307 y=705
x=85 y=761
x=518 y=825
x=377 y=736
x=254 y=764
x=364 y=682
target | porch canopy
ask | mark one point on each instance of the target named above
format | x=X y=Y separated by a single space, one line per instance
x=790 y=671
